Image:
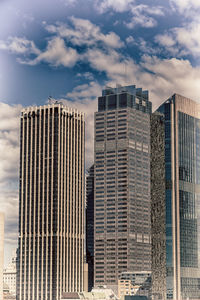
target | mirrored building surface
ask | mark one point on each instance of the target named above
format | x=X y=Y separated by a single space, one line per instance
x=182 y=197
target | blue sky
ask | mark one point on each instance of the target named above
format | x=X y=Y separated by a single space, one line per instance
x=71 y=49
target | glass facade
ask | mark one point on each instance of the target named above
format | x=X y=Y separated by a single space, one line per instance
x=182 y=167
x=90 y=225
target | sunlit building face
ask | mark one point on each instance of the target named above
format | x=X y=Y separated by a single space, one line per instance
x=51 y=210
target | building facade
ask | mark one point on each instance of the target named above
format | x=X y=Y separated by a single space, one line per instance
x=1 y=253
x=158 y=207
x=51 y=208
x=122 y=224
x=182 y=197
x=90 y=226
x=10 y=274
x=138 y=283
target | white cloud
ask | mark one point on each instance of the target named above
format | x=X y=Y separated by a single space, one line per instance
x=143 y=15
x=9 y=163
x=184 y=6
x=117 y=67
x=116 y=5
x=130 y=40
x=162 y=77
x=168 y=76
x=146 y=47
x=56 y=54
x=182 y=40
x=19 y=46
x=165 y=39
x=85 y=91
x=86 y=75
x=188 y=37
x=84 y=32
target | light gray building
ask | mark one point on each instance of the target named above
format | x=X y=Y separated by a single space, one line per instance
x=1 y=253
x=122 y=223
x=51 y=208
x=10 y=274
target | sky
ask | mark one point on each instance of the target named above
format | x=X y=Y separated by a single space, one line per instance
x=71 y=49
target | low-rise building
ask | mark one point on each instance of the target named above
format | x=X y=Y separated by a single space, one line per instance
x=100 y=293
x=1 y=253
x=134 y=283
x=10 y=273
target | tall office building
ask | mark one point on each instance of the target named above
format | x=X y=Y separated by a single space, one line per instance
x=90 y=226
x=182 y=197
x=158 y=207
x=51 y=208
x=122 y=225
x=1 y=253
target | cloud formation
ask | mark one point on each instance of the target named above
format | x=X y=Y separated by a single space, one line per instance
x=82 y=33
x=182 y=40
x=85 y=33
x=116 y=5
x=56 y=54
x=19 y=45
x=142 y=15
x=138 y=15
x=9 y=163
x=185 y=6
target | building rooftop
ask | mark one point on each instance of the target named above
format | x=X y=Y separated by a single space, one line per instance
x=123 y=97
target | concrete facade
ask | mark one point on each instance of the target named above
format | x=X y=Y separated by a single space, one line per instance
x=122 y=225
x=10 y=274
x=52 y=202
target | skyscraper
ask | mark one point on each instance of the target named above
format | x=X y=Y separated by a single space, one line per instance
x=122 y=226
x=90 y=226
x=51 y=208
x=1 y=253
x=158 y=207
x=182 y=197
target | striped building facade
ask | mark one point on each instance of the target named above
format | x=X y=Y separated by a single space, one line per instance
x=51 y=208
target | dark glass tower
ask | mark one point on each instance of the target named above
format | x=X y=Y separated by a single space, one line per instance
x=182 y=197
x=51 y=207
x=122 y=225
x=158 y=207
x=90 y=226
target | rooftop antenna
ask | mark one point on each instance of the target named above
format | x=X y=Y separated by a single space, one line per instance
x=125 y=73
x=51 y=100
